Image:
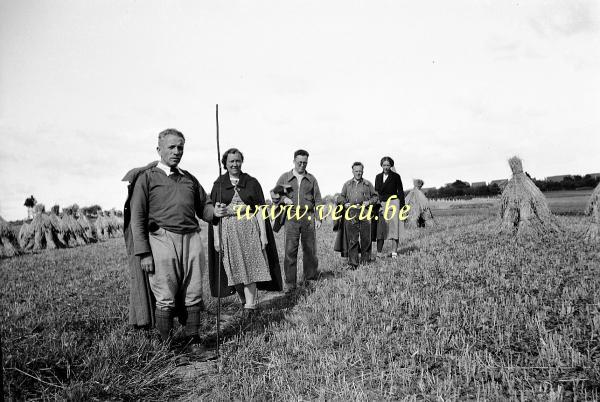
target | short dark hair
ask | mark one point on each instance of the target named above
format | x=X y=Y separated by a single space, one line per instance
x=386 y=158
x=358 y=164
x=226 y=154
x=170 y=131
x=300 y=152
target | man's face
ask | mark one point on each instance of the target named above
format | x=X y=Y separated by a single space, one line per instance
x=357 y=171
x=386 y=167
x=300 y=163
x=170 y=149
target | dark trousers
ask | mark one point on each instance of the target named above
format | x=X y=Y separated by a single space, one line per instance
x=356 y=228
x=296 y=231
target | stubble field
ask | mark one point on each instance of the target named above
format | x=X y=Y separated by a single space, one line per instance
x=463 y=314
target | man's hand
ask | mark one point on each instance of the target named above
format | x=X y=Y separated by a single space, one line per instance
x=147 y=263
x=220 y=209
x=347 y=205
x=366 y=203
x=318 y=223
x=287 y=201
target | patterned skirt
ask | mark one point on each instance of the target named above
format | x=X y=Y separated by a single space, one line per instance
x=244 y=259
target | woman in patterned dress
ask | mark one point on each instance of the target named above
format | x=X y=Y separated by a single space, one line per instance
x=250 y=259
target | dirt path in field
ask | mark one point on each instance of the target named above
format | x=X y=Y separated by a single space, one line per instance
x=232 y=322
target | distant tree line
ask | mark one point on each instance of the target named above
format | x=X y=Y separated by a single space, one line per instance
x=461 y=189
x=568 y=183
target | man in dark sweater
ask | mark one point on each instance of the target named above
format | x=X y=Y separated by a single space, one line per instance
x=166 y=234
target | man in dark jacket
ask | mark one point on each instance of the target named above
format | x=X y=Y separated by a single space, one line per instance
x=166 y=236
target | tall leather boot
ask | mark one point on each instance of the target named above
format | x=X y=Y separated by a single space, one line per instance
x=164 y=323
x=192 y=326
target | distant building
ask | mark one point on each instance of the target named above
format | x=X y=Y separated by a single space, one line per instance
x=595 y=175
x=557 y=179
x=500 y=183
x=479 y=184
x=449 y=184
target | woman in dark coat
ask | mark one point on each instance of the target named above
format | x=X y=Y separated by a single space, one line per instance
x=250 y=259
x=387 y=185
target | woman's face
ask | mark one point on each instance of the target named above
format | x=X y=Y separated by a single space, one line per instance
x=386 y=167
x=234 y=163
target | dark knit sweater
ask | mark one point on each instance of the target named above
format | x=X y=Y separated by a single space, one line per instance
x=159 y=201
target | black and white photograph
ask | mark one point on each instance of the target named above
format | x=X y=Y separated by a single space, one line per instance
x=300 y=200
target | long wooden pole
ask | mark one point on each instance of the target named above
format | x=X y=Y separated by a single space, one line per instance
x=220 y=256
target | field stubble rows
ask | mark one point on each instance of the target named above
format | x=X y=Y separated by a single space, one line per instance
x=463 y=314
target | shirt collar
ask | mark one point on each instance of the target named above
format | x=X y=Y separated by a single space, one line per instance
x=357 y=181
x=306 y=175
x=296 y=173
x=167 y=169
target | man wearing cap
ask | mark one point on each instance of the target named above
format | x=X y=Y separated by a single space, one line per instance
x=166 y=235
x=303 y=195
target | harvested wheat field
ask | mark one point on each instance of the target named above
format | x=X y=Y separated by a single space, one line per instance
x=464 y=313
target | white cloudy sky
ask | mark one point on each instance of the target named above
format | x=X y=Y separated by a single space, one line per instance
x=449 y=89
